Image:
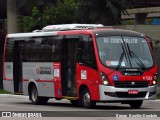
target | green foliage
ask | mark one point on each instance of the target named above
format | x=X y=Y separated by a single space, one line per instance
x=65 y=11
x=33 y=21
x=44 y=12
x=4 y=92
x=27 y=5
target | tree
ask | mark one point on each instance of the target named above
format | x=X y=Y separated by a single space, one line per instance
x=33 y=21
x=44 y=12
x=107 y=12
x=64 y=12
x=27 y=5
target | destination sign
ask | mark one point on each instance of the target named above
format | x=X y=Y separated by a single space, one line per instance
x=119 y=40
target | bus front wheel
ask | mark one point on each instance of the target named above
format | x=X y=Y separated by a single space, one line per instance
x=135 y=104
x=86 y=99
x=37 y=99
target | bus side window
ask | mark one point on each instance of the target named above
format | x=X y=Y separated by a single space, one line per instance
x=43 y=49
x=86 y=51
x=9 y=50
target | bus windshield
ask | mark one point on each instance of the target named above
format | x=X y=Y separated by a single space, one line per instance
x=124 y=52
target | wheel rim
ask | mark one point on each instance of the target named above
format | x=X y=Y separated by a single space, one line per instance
x=34 y=95
x=86 y=99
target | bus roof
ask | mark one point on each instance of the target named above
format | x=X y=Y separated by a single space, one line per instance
x=71 y=27
x=53 y=30
x=32 y=34
x=117 y=32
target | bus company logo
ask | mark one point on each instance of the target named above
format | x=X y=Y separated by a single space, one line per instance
x=37 y=69
x=132 y=83
x=132 y=74
x=43 y=70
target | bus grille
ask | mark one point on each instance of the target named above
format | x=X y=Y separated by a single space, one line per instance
x=130 y=84
x=126 y=95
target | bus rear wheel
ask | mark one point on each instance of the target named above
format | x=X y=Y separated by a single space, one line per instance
x=86 y=99
x=135 y=104
x=37 y=100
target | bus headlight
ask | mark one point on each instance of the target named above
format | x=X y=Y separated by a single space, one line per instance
x=155 y=80
x=104 y=79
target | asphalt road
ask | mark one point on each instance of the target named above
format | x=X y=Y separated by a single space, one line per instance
x=62 y=109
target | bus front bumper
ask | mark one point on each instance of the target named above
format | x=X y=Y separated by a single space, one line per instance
x=111 y=93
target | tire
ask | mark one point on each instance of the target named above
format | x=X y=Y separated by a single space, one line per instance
x=75 y=102
x=86 y=101
x=35 y=99
x=135 y=104
x=58 y=98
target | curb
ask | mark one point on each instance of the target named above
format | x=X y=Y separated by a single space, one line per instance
x=24 y=97
x=12 y=96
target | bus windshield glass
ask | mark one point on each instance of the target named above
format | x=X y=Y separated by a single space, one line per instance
x=124 y=52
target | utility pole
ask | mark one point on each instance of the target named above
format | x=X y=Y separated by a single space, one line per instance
x=12 y=16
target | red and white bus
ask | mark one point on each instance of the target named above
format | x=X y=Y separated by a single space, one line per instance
x=84 y=63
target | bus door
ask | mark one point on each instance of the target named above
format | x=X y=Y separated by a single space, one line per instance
x=17 y=67
x=70 y=48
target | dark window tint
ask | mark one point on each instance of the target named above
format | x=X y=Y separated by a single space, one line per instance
x=36 y=49
x=9 y=50
x=43 y=49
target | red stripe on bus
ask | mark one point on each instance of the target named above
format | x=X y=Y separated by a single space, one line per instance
x=44 y=80
x=11 y=79
x=25 y=80
x=8 y=79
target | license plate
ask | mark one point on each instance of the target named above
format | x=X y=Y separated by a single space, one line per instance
x=132 y=91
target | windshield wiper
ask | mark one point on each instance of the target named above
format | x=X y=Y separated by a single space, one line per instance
x=121 y=57
x=140 y=63
x=120 y=60
x=137 y=59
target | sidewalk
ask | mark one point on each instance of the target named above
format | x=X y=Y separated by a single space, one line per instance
x=12 y=95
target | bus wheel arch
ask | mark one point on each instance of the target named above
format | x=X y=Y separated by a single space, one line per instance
x=30 y=86
x=85 y=97
x=33 y=95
